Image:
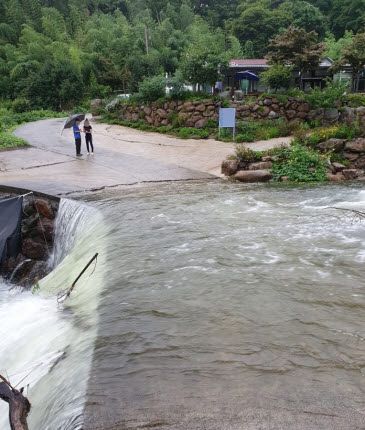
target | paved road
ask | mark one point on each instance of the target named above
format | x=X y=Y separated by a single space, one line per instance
x=123 y=156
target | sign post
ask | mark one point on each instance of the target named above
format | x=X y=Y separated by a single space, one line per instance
x=227 y=119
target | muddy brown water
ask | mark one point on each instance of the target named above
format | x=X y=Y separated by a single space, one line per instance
x=217 y=306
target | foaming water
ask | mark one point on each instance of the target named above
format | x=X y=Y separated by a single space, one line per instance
x=48 y=348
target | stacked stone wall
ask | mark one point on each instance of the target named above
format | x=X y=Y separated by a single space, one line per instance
x=198 y=113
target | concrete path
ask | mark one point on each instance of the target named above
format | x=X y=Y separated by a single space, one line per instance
x=123 y=156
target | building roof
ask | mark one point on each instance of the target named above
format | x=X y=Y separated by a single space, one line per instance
x=250 y=63
x=262 y=63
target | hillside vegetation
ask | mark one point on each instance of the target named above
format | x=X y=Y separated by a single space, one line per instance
x=56 y=53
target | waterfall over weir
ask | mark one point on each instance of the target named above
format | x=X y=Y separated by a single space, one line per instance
x=49 y=347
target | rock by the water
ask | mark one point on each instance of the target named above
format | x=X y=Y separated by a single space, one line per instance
x=338 y=167
x=356 y=145
x=263 y=165
x=359 y=163
x=350 y=174
x=338 y=177
x=229 y=167
x=253 y=176
x=34 y=250
x=44 y=208
x=335 y=145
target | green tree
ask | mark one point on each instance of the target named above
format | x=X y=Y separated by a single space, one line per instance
x=258 y=25
x=248 y=50
x=305 y=15
x=354 y=54
x=297 y=48
x=207 y=54
x=347 y=15
x=334 y=48
x=277 y=76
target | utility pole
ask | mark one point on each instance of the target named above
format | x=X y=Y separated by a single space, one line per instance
x=146 y=38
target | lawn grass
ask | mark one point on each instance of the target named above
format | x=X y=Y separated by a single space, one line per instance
x=8 y=140
x=10 y=120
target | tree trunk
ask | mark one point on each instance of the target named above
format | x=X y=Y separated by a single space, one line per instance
x=19 y=406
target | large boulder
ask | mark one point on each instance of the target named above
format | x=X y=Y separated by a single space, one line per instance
x=263 y=165
x=350 y=174
x=360 y=111
x=348 y=114
x=201 y=123
x=44 y=208
x=335 y=145
x=230 y=167
x=359 y=163
x=200 y=108
x=338 y=177
x=351 y=156
x=161 y=113
x=356 y=145
x=45 y=229
x=331 y=115
x=253 y=176
x=338 y=167
x=34 y=250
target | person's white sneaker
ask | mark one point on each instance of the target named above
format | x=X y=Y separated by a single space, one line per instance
x=88 y=153
x=92 y=153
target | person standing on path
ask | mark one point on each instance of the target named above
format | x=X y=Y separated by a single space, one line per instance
x=77 y=136
x=88 y=137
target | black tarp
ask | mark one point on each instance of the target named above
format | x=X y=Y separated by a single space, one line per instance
x=10 y=227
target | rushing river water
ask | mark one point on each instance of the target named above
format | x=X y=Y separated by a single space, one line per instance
x=212 y=306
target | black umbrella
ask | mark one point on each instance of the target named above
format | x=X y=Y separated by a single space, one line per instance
x=70 y=122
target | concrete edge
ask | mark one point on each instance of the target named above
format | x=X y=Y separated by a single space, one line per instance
x=16 y=190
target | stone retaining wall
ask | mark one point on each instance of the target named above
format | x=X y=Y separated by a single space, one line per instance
x=198 y=113
x=37 y=242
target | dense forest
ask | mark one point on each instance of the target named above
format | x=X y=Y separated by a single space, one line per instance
x=54 y=53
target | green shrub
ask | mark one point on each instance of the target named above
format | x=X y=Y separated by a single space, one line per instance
x=301 y=165
x=20 y=105
x=356 y=100
x=192 y=133
x=178 y=91
x=152 y=89
x=9 y=140
x=277 y=76
x=245 y=137
x=333 y=95
x=279 y=153
x=247 y=155
x=339 y=131
x=268 y=132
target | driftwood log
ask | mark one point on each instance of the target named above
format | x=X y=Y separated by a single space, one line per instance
x=19 y=405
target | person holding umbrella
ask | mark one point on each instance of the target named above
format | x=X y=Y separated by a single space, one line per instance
x=74 y=123
x=77 y=136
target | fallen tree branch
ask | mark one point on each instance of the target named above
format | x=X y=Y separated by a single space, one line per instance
x=360 y=214
x=63 y=295
x=19 y=405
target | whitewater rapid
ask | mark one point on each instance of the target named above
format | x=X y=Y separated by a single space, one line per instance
x=48 y=348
